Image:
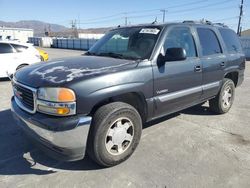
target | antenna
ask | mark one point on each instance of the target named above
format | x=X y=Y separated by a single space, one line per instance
x=155 y=21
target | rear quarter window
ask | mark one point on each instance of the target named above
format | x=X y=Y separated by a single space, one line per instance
x=231 y=40
x=19 y=48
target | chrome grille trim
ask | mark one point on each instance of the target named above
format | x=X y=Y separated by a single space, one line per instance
x=19 y=102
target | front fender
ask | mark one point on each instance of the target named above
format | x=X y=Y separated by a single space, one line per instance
x=100 y=95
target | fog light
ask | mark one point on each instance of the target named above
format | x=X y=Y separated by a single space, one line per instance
x=62 y=111
x=54 y=110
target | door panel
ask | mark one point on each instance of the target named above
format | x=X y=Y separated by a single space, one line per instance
x=213 y=61
x=177 y=84
x=213 y=71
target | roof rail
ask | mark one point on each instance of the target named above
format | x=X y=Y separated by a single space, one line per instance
x=203 y=21
x=189 y=21
x=220 y=24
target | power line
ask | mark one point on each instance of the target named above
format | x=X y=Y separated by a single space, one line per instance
x=143 y=11
x=200 y=7
x=228 y=18
x=118 y=16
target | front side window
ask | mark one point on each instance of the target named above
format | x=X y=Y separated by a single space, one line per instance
x=208 y=41
x=5 y=48
x=181 y=37
x=231 y=40
x=127 y=43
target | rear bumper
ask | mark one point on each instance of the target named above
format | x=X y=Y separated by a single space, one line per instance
x=67 y=143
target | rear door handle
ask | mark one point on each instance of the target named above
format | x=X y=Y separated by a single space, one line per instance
x=197 y=68
x=222 y=64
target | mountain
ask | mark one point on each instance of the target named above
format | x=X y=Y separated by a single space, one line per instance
x=38 y=26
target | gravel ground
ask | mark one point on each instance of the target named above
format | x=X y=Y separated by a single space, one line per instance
x=192 y=148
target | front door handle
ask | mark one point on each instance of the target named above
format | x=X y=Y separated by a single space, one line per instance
x=197 y=68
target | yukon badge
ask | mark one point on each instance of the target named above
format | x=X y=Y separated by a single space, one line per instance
x=162 y=91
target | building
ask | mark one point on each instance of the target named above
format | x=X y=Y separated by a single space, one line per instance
x=246 y=33
x=20 y=34
x=90 y=35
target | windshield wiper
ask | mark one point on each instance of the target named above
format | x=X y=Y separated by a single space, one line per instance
x=112 y=54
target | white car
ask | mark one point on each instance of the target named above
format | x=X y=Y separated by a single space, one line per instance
x=14 y=55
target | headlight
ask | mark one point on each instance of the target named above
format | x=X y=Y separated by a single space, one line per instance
x=56 y=101
x=56 y=94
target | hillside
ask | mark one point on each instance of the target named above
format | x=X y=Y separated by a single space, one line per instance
x=39 y=28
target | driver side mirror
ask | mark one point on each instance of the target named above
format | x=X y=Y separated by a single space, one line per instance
x=175 y=54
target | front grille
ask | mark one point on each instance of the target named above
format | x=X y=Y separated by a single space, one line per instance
x=25 y=96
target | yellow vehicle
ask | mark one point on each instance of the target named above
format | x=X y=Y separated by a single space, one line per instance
x=44 y=55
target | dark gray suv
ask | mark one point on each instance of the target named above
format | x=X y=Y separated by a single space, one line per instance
x=98 y=103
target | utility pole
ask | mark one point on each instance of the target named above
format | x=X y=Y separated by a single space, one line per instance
x=240 y=17
x=74 y=28
x=163 y=14
x=126 y=18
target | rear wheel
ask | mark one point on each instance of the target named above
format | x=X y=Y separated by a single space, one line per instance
x=224 y=100
x=115 y=133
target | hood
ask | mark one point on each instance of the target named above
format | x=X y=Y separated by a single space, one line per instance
x=61 y=72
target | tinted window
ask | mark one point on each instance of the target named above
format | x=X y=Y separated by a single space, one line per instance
x=231 y=40
x=181 y=37
x=209 y=41
x=127 y=43
x=19 y=48
x=5 y=48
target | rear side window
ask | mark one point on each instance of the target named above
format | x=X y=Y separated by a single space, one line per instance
x=19 y=48
x=231 y=40
x=209 y=41
x=181 y=37
x=5 y=48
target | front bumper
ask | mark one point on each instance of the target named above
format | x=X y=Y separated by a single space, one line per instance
x=63 y=138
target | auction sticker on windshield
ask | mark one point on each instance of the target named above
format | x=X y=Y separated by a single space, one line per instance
x=153 y=31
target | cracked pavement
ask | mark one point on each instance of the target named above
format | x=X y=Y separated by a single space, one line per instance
x=191 y=148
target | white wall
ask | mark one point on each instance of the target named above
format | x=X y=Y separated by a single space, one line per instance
x=90 y=36
x=16 y=34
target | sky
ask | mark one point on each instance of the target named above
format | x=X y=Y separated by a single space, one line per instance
x=97 y=13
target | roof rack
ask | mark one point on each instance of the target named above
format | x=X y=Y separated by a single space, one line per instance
x=203 y=21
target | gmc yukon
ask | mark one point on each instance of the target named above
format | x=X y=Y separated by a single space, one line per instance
x=96 y=104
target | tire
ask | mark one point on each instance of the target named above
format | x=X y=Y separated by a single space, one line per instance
x=119 y=120
x=220 y=104
x=41 y=57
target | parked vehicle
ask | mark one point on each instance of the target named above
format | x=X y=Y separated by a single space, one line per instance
x=14 y=55
x=99 y=102
x=44 y=56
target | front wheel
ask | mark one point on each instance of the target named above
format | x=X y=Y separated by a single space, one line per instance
x=115 y=133
x=224 y=100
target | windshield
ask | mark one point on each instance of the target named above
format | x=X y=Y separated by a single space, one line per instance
x=127 y=43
